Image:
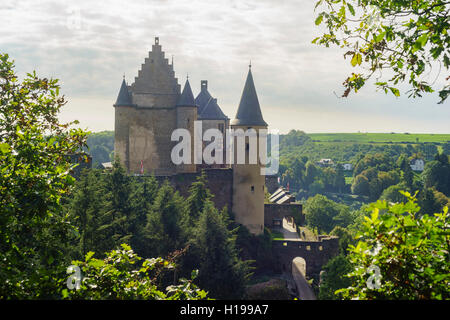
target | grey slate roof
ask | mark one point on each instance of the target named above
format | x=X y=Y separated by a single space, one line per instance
x=186 y=98
x=249 y=111
x=203 y=97
x=124 y=97
x=212 y=111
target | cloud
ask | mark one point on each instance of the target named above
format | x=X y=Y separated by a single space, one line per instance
x=89 y=45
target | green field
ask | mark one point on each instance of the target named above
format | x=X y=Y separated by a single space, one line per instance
x=379 y=137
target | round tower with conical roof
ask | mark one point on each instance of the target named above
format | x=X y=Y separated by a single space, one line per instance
x=123 y=107
x=248 y=182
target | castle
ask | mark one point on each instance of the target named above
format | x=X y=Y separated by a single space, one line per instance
x=149 y=110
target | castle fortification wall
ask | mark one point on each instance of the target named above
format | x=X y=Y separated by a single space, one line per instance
x=220 y=183
x=273 y=211
x=315 y=253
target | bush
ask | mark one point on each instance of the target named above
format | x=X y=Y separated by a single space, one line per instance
x=121 y=275
x=408 y=253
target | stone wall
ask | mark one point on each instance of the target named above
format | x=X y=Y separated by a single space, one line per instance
x=144 y=134
x=315 y=253
x=220 y=183
x=279 y=211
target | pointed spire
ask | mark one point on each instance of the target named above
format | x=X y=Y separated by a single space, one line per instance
x=186 y=98
x=124 y=97
x=249 y=111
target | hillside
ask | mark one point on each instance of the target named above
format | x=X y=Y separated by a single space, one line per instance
x=380 y=137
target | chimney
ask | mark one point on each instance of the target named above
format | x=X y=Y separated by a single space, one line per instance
x=204 y=84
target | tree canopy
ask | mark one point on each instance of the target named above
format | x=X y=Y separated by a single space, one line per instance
x=392 y=41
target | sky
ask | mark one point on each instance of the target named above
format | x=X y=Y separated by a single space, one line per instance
x=90 y=45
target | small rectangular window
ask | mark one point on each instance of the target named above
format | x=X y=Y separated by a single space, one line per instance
x=253 y=188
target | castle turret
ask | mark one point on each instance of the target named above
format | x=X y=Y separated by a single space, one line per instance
x=123 y=107
x=124 y=97
x=186 y=115
x=248 y=182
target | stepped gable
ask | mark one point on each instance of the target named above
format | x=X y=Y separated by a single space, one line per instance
x=156 y=75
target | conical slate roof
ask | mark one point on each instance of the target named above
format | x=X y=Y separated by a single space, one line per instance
x=186 y=98
x=212 y=111
x=249 y=111
x=203 y=97
x=124 y=97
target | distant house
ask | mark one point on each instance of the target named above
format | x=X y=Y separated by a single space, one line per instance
x=347 y=166
x=417 y=164
x=325 y=162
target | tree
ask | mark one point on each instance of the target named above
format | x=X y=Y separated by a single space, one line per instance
x=346 y=238
x=198 y=195
x=400 y=254
x=324 y=214
x=212 y=250
x=339 y=179
x=34 y=175
x=334 y=278
x=311 y=173
x=85 y=206
x=117 y=216
x=393 y=194
x=164 y=231
x=407 y=174
x=431 y=200
x=391 y=40
x=361 y=186
x=122 y=275
x=437 y=174
x=142 y=199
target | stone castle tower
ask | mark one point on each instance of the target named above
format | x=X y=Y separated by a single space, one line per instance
x=248 y=182
x=150 y=109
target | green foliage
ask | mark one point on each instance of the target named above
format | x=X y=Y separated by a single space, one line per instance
x=410 y=250
x=437 y=174
x=34 y=175
x=405 y=38
x=393 y=194
x=258 y=250
x=334 y=278
x=198 y=196
x=212 y=249
x=122 y=275
x=325 y=214
x=165 y=229
x=431 y=200
x=101 y=146
x=379 y=138
x=112 y=207
x=361 y=185
x=346 y=238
